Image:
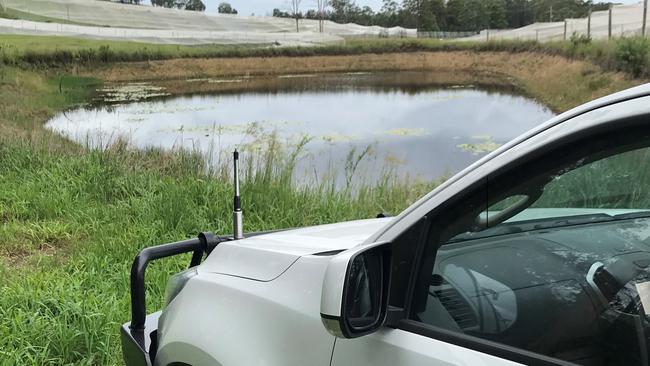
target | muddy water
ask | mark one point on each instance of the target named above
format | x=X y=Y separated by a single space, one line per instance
x=402 y=123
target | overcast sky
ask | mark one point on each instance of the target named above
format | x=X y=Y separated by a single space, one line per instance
x=264 y=7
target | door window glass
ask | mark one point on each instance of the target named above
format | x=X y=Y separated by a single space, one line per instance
x=554 y=261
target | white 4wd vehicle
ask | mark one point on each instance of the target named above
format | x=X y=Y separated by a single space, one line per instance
x=538 y=254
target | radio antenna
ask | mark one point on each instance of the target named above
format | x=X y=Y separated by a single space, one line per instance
x=237 y=219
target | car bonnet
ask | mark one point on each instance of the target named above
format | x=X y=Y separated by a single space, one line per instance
x=265 y=257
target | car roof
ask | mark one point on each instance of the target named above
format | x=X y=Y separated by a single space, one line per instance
x=625 y=95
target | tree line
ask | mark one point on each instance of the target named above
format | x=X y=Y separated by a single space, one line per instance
x=194 y=5
x=424 y=15
x=450 y=15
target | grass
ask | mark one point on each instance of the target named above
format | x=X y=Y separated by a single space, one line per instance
x=606 y=54
x=47 y=51
x=27 y=99
x=9 y=13
x=61 y=51
x=72 y=218
x=72 y=224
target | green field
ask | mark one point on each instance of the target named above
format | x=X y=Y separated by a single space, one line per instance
x=46 y=51
x=72 y=218
x=17 y=14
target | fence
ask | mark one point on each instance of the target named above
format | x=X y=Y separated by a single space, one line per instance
x=446 y=35
x=618 y=21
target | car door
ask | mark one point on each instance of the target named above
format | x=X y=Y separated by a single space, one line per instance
x=541 y=257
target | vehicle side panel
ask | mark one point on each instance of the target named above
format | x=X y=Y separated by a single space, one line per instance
x=398 y=347
x=236 y=321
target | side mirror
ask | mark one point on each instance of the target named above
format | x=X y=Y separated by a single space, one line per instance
x=354 y=301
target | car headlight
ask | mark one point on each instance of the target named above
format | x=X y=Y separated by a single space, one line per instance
x=176 y=284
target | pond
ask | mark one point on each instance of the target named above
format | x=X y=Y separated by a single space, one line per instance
x=396 y=123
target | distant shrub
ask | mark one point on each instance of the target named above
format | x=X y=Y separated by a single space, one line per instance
x=87 y=55
x=105 y=53
x=633 y=55
x=580 y=39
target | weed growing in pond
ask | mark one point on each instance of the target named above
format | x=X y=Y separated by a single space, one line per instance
x=131 y=92
x=406 y=132
x=483 y=145
x=352 y=162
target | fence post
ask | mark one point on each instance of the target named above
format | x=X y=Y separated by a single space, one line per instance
x=609 y=27
x=537 y=35
x=566 y=23
x=589 y=24
x=487 y=35
x=645 y=17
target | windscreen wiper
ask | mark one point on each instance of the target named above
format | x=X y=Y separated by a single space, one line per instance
x=535 y=224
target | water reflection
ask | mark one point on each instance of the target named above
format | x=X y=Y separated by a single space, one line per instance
x=411 y=128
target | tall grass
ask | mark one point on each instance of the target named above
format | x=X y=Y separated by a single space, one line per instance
x=39 y=51
x=71 y=224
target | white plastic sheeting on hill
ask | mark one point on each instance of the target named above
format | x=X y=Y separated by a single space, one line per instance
x=187 y=37
x=155 y=24
x=626 y=21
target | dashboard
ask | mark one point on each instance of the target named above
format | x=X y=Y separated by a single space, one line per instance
x=570 y=292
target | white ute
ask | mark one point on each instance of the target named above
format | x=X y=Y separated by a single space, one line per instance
x=538 y=254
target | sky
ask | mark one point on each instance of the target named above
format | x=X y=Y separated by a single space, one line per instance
x=265 y=7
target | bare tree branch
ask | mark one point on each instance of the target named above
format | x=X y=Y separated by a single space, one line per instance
x=322 y=5
x=295 y=11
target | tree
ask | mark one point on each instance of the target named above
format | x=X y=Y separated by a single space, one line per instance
x=226 y=8
x=295 y=12
x=389 y=14
x=164 y=3
x=342 y=10
x=427 y=20
x=195 y=5
x=561 y=9
x=280 y=14
x=425 y=15
x=321 y=5
x=439 y=10
x=410 y=13
x=432 y=15
x=467 y=15
x=519 y=13
x=496 y=12
x=364 y=16
x=179 y=4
